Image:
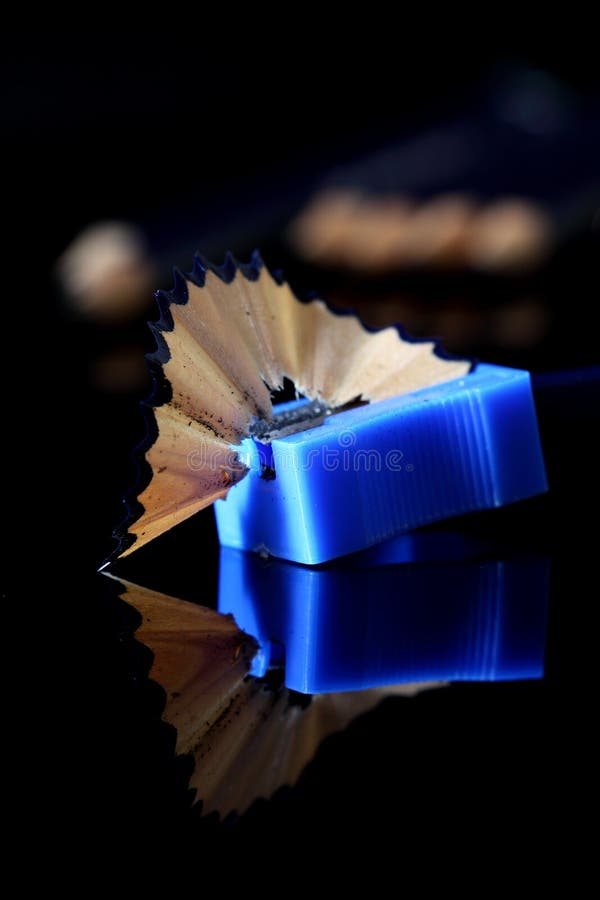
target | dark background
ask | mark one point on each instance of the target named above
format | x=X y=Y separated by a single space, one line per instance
x=209 y=137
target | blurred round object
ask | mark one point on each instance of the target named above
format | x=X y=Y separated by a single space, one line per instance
x=438 y=232
x=106 y=274
x=320 y=232
x=382 y=234
x=376 y=234
x=509 y=235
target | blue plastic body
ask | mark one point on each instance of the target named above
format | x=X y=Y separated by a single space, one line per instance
x=352 y=625
x=376 y=471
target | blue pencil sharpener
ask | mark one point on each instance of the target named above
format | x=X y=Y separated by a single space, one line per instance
x=321 y=486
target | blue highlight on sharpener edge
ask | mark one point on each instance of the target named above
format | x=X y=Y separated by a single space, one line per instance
x=373 y=472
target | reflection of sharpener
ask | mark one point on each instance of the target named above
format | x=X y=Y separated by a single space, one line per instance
x=360 y=624
x=356 y=478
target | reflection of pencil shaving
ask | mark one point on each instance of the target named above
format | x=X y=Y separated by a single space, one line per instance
x=225 y=340
x=247 y=737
